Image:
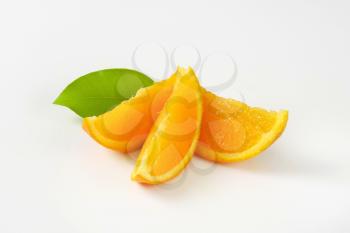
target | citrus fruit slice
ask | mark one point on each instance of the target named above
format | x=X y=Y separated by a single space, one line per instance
x=126 y=127
x=174 y=136
x=232 y=131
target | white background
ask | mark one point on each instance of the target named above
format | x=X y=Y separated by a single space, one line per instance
x=290 y=54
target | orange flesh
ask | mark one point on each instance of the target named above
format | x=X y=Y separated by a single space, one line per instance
x=136 y=117
x=129 y=123
x=179 y=129
x=173 y=137
x=230 y=126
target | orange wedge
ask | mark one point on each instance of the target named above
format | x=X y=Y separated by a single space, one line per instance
x=232 y=131
x=174 y=136
x=126 y=127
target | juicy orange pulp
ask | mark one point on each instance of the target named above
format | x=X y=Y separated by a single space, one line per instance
x=126 y=127
x=174 y=136
x=233 y=131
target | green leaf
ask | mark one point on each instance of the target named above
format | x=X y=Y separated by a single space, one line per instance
x=98 y=92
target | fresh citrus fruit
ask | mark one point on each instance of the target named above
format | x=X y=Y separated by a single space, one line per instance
x=126 y=127
x=232 y=131
x=174 y=135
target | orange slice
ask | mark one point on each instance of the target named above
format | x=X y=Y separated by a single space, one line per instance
x=126 y=127
x=232 y=131
x=174 y=136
